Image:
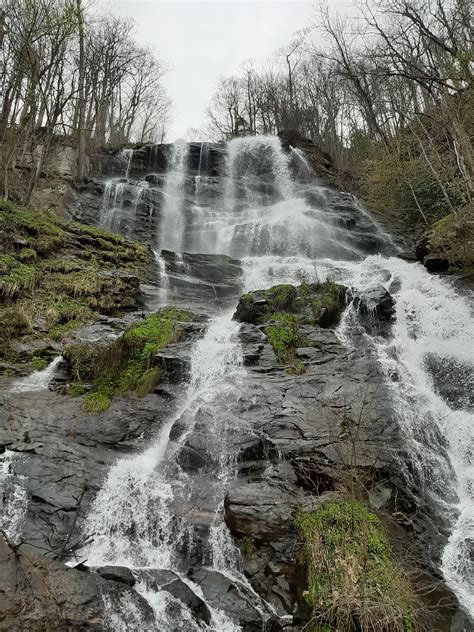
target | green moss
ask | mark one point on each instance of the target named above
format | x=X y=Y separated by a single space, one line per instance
x=351 y=574
x=247 y=545
x=281 y=297
x=76 y=389
x=96 y=402
x=316 y=307
x=283 y=334
x=14 y=277
x=58 y=278
x=127 y=364
x=38 y=363
x=147 y=382
x=27 y=254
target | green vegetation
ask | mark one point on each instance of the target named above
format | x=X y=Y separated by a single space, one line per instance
x=425 y=189
x=126 y=364
x=281 y=297
x=247 y=545
x=14 y=277
x=55 y=275
x=76 y=389
x=39 y=363
x=284 y=335
x=353 y=582
x=297 y=368
x=96 y=402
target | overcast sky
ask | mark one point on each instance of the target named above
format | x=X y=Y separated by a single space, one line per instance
x=202 y=40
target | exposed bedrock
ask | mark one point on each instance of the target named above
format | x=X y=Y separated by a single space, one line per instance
x=37 y=593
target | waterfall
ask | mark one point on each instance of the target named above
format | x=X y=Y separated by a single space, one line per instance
x=163 y=279
x=38 y=380
x=127 y=157
x=13 y=501
x=114 y=211
x=265 y=209
x=172 y=225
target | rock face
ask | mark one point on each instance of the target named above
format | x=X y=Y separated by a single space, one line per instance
x=321 y=161
x=376 y=309
x=201 y=280
x=38 y=594
x=305 y=430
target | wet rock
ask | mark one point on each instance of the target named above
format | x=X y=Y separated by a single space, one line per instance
x=377 y=302
x=68 y=454
x=192 y=456
x=236 y=600
x=435 y=263
x=158 y=579
x=201 y=277
x=120 y=574
x=38 y=594
x=253 y=342
x=260 y=510
x=174 y=363
x=308 y=353
x=422 y=247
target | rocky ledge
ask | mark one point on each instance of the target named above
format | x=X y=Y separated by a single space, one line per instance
x=54 y=277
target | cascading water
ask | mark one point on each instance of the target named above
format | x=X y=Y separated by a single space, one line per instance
x=287 y=228
x=38 y=380
x=127 y=157
x=172 y=225
x=13 y=503
x=132 y=521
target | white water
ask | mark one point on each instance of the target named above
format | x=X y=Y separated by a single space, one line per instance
x=127 y=157
x=132 y=519
x=38 y=380
x=171 y=230
x=13 y=499
x=287 y=232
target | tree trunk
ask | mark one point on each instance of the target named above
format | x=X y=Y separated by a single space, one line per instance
x=81 y=131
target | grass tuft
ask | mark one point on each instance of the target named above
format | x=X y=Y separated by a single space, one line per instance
x=353 y=582
x=96 y=402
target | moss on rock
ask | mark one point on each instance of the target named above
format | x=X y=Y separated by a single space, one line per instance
x=282 y=309
x=353 y=582
x=126 y=364
x=55 y=275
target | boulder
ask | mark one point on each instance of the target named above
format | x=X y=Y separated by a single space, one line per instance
x=375 y=302
x=120 y=574
x=435 y=262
